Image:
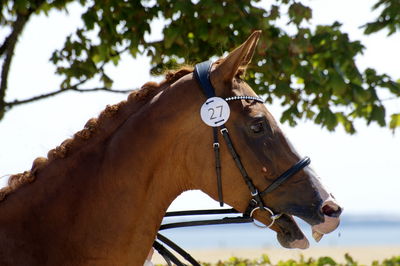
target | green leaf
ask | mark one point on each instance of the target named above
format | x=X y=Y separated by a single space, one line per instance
x=394 y=121
x=337 y=83
x=347 y=124
x=107 y=81
x=359 y=94
x=265 y=259
x=96 y=58
x=327 y=118
x=170 y=36
x=349 y=260
x=378 y=115
x=326 y=261
x=115 y=59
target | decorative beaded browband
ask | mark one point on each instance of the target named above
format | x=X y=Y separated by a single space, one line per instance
x=254 y=98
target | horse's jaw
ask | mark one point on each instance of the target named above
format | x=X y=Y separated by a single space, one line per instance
x=290 y=235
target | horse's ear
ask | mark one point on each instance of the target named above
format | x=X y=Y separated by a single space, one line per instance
x=237 y=60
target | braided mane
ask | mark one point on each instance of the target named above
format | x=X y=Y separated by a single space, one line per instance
x=95 y=128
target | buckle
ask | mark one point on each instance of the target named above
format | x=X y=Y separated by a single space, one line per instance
x=255 y=193
x=224 y=130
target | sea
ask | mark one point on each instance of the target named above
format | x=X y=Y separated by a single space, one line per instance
x=361 y=230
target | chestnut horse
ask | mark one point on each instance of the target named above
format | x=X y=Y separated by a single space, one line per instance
x=99 y=198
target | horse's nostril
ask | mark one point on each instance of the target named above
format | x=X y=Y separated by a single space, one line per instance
x=331 y=209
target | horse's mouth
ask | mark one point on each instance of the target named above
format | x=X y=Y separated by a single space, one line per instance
x=290 y=235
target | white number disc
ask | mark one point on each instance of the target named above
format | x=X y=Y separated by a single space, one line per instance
x=215 y=112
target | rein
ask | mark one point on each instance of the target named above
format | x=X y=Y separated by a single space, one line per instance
x=202 y=74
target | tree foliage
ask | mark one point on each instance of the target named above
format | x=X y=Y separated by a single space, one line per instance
x=389 y=17
x=311 y=70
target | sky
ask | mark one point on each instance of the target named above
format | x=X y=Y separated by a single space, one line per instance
x=362 y=170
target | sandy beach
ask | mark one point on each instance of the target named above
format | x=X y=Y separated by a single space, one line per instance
x=363 y=255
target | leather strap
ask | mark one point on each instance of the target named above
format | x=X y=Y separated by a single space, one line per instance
x=218 y=167
x=286 y=175
x=202 y=74
x=178 y=249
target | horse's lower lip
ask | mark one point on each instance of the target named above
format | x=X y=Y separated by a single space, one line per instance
x=300 y=243
x=329 y=224
x=289 y=234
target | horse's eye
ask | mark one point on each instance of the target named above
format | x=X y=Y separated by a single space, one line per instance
x=257 y=127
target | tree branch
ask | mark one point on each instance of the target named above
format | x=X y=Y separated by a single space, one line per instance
x=7 y=49
x=9 y=105
x=3 y=46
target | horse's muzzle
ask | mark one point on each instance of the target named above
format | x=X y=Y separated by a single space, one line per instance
x=331 y=212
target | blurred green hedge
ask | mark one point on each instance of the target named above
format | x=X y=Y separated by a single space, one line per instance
x=265 y=260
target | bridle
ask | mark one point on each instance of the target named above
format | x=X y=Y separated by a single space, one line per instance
x=202 y=74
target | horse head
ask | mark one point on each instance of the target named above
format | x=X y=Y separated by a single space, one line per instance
x=265 y=153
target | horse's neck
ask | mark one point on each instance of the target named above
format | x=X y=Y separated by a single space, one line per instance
x=112 y=194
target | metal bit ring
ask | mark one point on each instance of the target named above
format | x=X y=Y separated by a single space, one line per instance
x=273 y=216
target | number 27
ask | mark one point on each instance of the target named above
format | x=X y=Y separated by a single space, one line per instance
x=214 y=111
